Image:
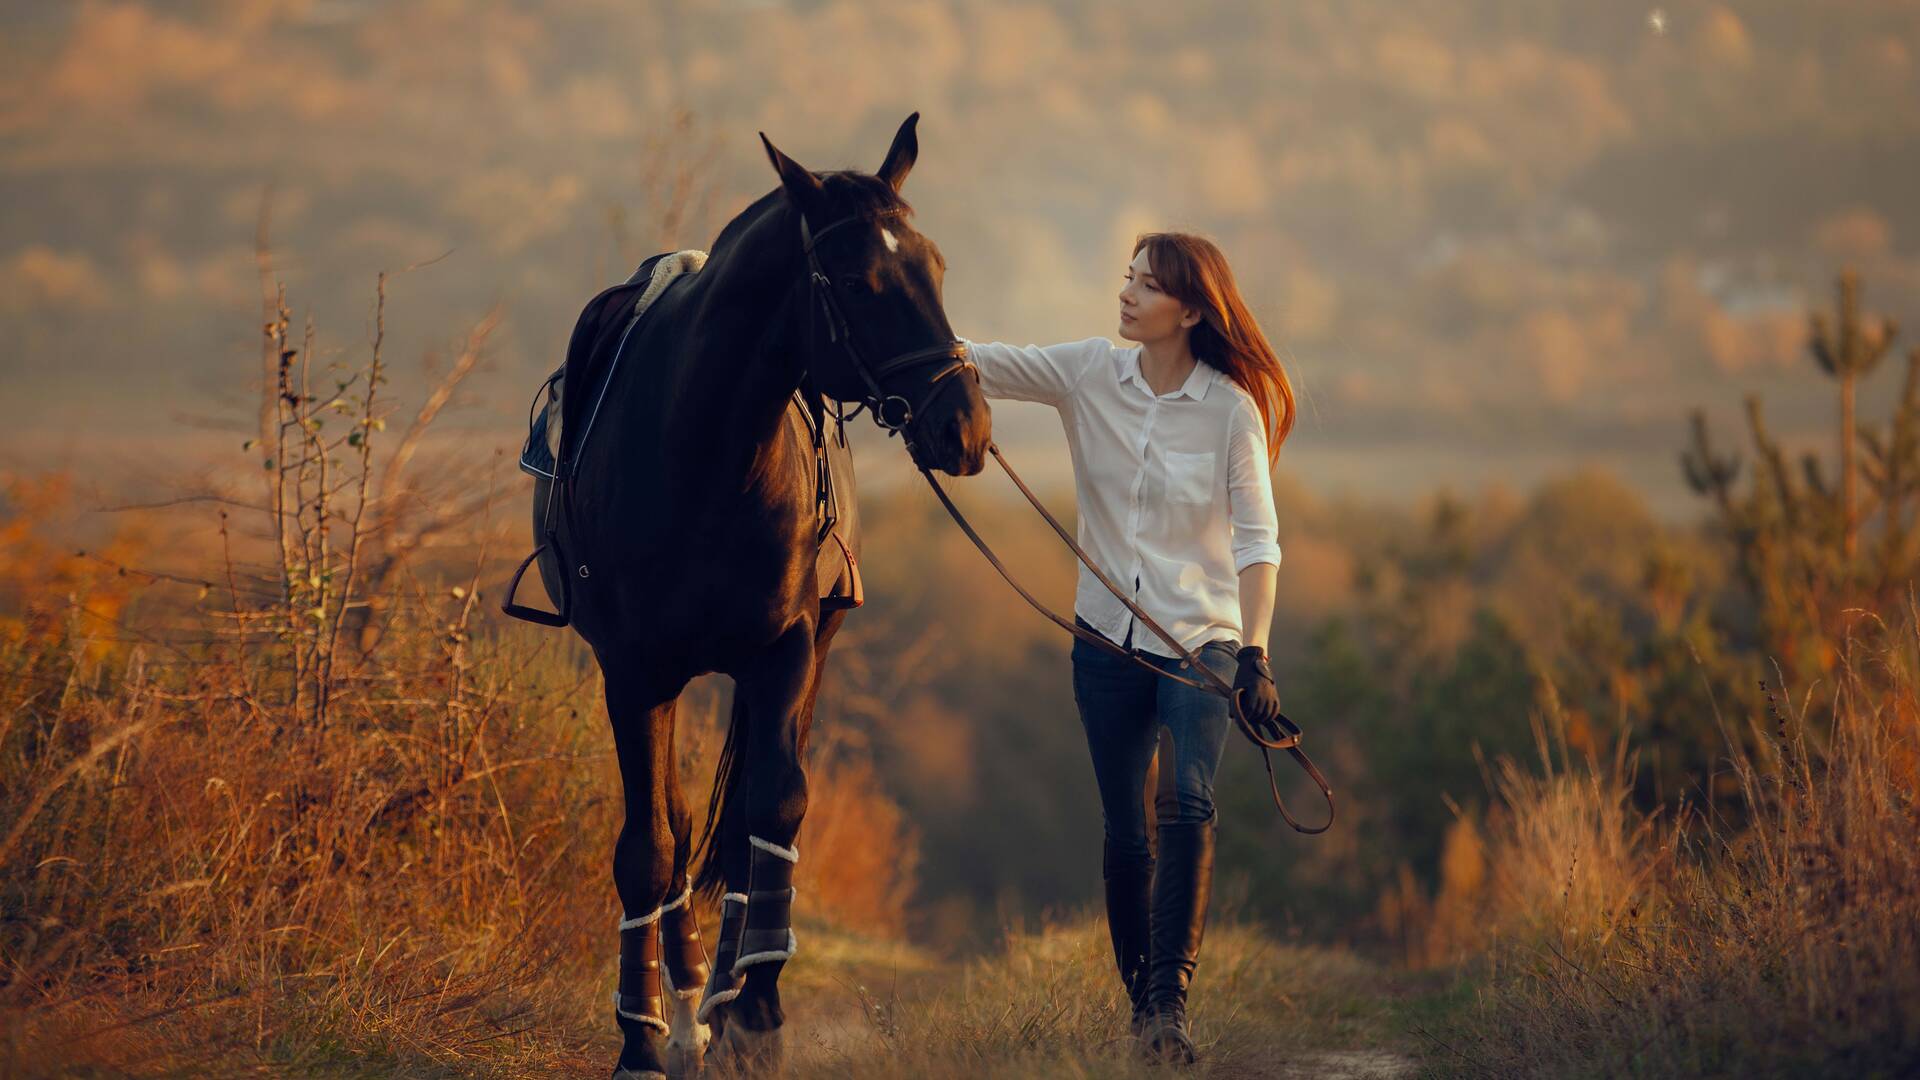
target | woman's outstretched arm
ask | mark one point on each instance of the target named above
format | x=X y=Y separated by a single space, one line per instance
x=1042 y=373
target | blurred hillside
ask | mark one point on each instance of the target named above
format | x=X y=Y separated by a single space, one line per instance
x=276 y=772
x=1414 y=642
x=1498 y=240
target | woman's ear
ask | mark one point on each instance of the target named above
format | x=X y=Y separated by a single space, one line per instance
x=1189 y=317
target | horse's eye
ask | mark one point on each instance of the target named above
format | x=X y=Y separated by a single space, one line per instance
x=854 y=283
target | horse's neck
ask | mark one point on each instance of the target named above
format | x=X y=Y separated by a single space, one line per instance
x=749 y=315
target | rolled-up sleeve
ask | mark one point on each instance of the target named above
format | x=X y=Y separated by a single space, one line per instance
x=1043 y=373
x=1256 y=528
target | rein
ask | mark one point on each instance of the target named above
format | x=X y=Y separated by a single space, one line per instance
x=1268 y=736
x=896 y=419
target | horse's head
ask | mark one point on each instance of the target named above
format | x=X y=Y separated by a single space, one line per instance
x=880 y=333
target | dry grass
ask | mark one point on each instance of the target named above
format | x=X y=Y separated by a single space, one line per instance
x=1048 y=1004
x=296 y=803
x=1786 y=944
x=190 y=876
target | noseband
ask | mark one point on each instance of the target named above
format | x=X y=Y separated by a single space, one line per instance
x=893 y=412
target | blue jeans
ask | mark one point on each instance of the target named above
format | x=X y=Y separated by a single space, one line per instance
x=1129 y=713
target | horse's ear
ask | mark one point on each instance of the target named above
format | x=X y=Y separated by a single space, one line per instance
x=803 y=188
x=906 y=147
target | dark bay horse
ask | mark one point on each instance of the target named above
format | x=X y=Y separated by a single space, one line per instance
x=694 y=507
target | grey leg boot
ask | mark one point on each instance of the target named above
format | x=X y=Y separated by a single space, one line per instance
x=1182 y=883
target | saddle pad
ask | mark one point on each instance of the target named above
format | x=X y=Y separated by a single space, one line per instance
x=606 y=312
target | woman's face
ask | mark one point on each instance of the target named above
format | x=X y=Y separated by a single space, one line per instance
x=1146 y=313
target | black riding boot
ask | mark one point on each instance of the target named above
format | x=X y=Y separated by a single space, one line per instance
x=1181 y=884
x=1129 y=883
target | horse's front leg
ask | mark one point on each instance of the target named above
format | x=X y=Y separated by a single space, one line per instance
x=683 y=956
x=644 y=864
x=778 y=693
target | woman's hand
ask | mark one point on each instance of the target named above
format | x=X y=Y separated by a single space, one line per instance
x=1253 y=685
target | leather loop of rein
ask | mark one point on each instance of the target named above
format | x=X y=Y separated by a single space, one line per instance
x=1290 y=742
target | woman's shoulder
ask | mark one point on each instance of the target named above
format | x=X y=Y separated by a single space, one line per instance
x=1094 y=354
x=1239 y=398
x=1101 y=348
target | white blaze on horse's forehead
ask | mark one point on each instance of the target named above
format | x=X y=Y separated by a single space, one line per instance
x=893 y=242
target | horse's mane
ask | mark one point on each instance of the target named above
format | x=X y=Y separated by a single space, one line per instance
x=851 y=191
x=863 y=193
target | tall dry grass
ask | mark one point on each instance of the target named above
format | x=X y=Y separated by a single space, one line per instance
x=1623 y=943
x=193 y=877
x=191 y=882
x=259 y=811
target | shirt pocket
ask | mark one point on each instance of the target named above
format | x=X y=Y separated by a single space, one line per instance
x=1189 y=478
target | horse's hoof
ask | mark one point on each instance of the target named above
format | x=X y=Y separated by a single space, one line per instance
x=684 y=1062
x=624 y=1073
x=688 y=1036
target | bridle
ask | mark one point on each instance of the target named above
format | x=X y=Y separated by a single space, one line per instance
x=895 y=414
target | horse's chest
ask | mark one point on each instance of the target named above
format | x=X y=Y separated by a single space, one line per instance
x=736 y=572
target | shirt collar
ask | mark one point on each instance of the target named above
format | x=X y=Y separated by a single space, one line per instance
x=1198 y=380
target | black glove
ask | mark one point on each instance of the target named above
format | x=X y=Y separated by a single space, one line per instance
x=1259 y=700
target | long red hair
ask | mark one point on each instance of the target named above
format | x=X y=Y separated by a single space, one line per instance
x=1192 y=270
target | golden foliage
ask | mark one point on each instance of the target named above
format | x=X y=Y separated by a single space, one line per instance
x=1621 y=942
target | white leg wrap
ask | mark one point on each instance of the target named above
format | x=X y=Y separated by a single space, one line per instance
x=642 y=920
x=708 y=1004
x=736 y=897
x=650 y=1021
x=791 y=854
x=686 y=1032
x=793 y=944
x=654 y=916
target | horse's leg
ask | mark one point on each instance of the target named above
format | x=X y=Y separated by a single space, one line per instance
x=684 y=958
x=643 y=860
x=728 y=852
x=779 y=694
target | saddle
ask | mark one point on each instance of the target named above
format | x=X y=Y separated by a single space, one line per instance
x=552 y=450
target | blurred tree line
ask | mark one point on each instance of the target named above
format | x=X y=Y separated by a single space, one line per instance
x=1582 y=611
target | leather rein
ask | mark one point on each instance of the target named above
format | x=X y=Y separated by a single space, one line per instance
x=896 y=419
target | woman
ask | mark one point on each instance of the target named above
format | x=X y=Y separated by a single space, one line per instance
x=1172 y=440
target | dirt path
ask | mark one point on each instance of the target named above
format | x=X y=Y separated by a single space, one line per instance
x=1044 y=1007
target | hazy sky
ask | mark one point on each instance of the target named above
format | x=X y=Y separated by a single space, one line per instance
x=1491 y=237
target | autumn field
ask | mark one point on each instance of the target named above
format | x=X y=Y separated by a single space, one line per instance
x=1601 y=530
x=281 y=793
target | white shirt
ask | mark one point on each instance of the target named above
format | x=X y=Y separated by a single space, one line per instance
x=1174 y=490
